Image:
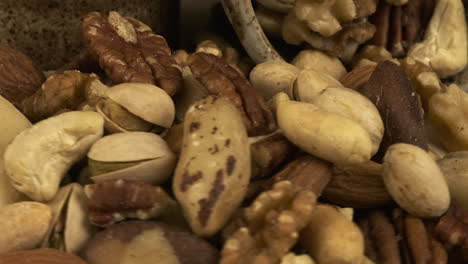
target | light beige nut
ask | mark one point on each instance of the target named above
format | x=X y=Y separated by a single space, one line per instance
x=448 y=113
x=213 y=171
x=331 y=238
x=455 y=169
x=444 y=45
x=135 y=156
x=272 y=77
x=40 y=156
x=326 y=135
x=144 y=104
x=292 y=258
x=320 y=61
x=148 y=242
x=13 y=122
x=325 y=17
x=310 y=83
x=24 y=225
x=69 y=228
x=355 y=106
x=192 y=92
x=415 y=181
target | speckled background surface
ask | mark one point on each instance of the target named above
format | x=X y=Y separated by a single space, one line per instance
x=49 y=30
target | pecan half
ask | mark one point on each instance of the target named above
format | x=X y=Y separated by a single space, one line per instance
x=129 y=51
x=400 y=238
x=452 y=229
x=221 y=79
x=399 y=27
x=116 y=200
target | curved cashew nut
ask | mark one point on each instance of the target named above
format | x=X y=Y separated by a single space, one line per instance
x=242 y=17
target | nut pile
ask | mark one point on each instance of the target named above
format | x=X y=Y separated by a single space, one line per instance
x=353 y=152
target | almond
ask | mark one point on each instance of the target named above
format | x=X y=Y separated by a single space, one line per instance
x=357 y=186
x=356 y=78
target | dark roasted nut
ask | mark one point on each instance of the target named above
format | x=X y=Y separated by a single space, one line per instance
x=399 y=27
x=269 y=153
x=148 y=242
x=59 y=92
x=390 y=89
x=400 y=238
x=357 y=186
x=452 y=229
x=116 y=200
x=268 y=229
x=40 y=256
x=306 y=173
x=128 y=51
x=356 y=78
x=19 y=77
x=223 y=80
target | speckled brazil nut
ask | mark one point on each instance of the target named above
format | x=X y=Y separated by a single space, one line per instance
x=213 y=171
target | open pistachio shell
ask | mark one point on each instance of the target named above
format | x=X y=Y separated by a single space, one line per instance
x=109 y=125
x=151 y=157
x=70 y=218
x=123 y=118
x=146 y=101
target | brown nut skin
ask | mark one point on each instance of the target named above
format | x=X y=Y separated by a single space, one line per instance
x=19 y=77
x=40 y=256
x=129 y=51
x=390 y=89
x=148 y=242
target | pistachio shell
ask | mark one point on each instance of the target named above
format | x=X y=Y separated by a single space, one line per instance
x=70 y=203
x=154 y=159
x=213 y=172
x=109 y=125
x=146 y=101
x=130 y=146
x=154 y=171
x=122 y=117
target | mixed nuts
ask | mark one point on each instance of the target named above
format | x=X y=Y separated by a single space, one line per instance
x=353 y=152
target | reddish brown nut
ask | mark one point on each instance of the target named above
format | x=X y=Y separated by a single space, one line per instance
x=59 y=92
x=306 y=173
x=115 y=200
x=40 y=256
x=358 y=186
x=356 y=78
x=19 y=77
x=452 y=229
x=269 y=153
x=129 y=51
x=148 y=242
x=223 y=80
x=390 y=89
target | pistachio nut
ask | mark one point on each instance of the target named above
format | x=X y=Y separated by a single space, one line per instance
x=310 y=83
x=12 y=123
x=24 y=225
x=355 y=106
x=137 y=156
x=136 y=106
x=415 y=181
x=455 y=168
x=69 y=228
x=327 y=135
x=40 y=156
x=213 y=171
